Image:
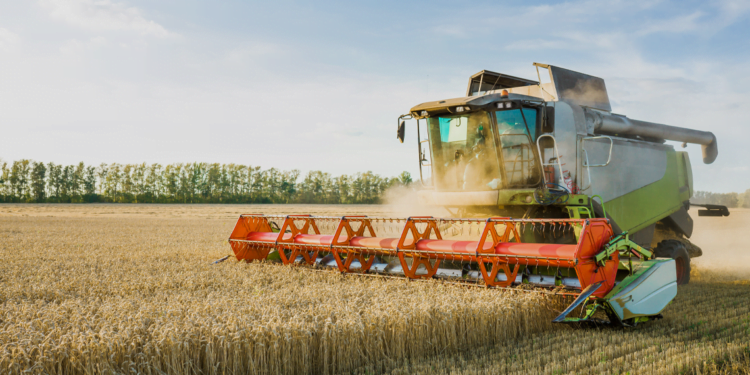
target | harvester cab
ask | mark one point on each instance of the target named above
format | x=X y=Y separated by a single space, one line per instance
x=549 y=190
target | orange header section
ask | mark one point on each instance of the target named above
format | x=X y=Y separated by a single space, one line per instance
x=499 y=248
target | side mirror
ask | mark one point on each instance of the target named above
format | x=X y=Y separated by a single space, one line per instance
x=401 y=131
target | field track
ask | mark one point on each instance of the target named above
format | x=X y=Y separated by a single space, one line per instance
x=130 y=289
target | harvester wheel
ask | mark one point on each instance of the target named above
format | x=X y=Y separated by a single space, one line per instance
x=676 y=250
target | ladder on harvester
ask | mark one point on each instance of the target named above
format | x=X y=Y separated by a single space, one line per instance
x=563 y=179
x=549 y=162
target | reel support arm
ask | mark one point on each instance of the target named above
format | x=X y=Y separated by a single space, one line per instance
x=622 y=244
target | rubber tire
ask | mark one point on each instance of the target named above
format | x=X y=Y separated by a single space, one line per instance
x=676 y=250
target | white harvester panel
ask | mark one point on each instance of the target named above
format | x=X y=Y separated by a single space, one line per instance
x=649 y=294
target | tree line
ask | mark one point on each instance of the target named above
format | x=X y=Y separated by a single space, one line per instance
x=29 y=181
x=731 y=200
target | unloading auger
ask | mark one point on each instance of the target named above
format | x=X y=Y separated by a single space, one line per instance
x=604 y=271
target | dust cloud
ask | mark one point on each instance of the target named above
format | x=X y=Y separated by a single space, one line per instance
x=725 y=243
x=591 y=92
x=402 y=201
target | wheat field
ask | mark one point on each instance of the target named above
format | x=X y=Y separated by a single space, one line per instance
x=120 y=289
x=705 y=330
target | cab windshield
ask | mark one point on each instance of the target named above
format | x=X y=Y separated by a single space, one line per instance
x=463 y=152
x=464 y=149
x=516 y=129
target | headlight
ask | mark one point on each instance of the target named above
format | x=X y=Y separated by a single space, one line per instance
x=504 y=105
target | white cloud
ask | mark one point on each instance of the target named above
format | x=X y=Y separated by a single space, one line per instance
x=536 y=44
x=451 y=30
x=7 y=39
x=715 y=17
x=680 y=24
x=74 y=46
x=732 y=10
x=104 y=15
x=251 y=52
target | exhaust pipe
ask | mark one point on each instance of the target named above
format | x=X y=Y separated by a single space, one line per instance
x=616 y=124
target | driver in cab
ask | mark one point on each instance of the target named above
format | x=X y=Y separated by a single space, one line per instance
x=480 y=170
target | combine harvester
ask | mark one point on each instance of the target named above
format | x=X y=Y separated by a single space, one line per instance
x=523 y=164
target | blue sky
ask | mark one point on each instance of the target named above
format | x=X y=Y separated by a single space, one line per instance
x=319 y=85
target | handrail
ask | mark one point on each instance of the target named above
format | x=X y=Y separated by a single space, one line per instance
x=609 y=158
x=420 y=154
x=541 y=156
x=604 y=210
x=586 y=158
